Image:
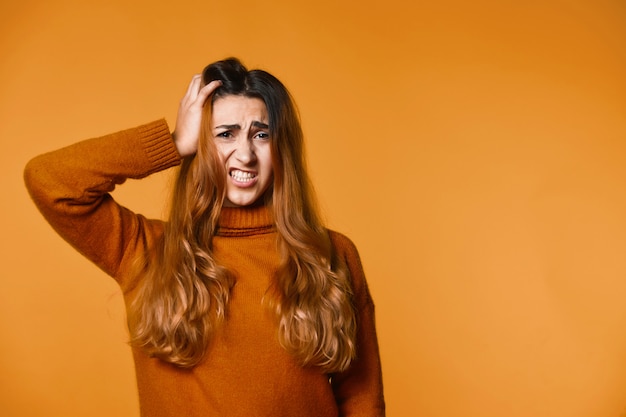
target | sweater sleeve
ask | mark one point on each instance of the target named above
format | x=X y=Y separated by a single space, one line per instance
x=71 y=188
x=359 y=390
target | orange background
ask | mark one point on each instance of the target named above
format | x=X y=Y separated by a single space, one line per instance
x=474 y=151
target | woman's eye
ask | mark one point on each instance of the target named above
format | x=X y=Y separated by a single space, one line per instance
x=226 y=134
x=262 y=135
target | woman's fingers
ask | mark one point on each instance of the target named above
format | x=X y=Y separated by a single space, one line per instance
x=192 y=89
x=206 y=91
x=189 y=118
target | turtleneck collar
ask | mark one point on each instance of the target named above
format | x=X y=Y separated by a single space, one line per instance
x=245 y=221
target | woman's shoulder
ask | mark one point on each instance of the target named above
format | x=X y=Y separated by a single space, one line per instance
x=342 y=243
x=346 y=251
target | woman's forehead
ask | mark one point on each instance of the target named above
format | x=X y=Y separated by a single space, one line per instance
x=237 y=108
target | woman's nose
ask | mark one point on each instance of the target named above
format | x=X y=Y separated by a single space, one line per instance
x=245 y=151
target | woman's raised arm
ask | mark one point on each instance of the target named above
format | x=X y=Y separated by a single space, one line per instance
x=71 y=187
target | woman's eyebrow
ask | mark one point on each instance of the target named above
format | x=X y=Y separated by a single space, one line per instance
x=258 y=125
x=235 y=126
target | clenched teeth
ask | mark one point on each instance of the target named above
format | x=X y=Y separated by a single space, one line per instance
x=242 y=176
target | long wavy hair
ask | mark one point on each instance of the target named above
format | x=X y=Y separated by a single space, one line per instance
x=183 y=293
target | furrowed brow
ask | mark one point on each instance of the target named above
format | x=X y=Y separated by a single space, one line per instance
x=260 y=125
x=229 y=127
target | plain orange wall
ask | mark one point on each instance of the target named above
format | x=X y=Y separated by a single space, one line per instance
x=474 y=151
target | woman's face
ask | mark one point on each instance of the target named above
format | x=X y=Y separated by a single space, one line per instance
x=240 y=128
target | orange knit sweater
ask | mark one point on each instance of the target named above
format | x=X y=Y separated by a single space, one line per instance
x=245 y=371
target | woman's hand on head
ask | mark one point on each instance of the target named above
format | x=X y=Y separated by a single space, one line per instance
x=189 y=117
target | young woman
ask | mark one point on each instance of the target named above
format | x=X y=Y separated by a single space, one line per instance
x=242 y=303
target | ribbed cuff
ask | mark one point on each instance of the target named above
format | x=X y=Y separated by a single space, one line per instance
x=158 y=144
